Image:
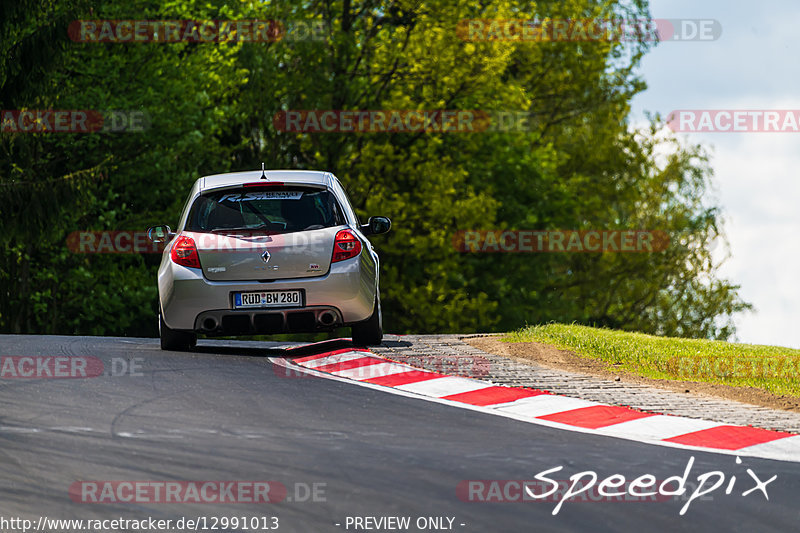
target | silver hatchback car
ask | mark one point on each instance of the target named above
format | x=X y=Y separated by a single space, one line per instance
x=266 y=252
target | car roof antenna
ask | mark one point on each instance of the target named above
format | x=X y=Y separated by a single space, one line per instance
x=263 y=173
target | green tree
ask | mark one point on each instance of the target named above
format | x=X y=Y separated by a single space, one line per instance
x=577 y=165
x=130 y=179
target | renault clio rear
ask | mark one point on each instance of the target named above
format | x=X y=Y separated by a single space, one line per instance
x=268 y=252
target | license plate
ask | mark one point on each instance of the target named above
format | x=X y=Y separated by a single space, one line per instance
x=268 y=299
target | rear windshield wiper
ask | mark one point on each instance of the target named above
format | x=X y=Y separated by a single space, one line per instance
x=255 y=211
x=240 y=228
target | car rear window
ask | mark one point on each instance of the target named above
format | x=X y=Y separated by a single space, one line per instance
x=273 y=210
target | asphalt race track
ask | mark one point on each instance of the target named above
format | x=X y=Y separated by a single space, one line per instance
x=226 y=412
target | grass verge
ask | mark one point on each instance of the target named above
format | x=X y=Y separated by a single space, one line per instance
x=770 y=368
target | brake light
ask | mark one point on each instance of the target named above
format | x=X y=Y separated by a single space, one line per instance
x=184 y=252
x=345 y=246
x=264 y=184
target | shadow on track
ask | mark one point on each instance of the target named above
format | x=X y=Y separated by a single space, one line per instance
x=301 y=350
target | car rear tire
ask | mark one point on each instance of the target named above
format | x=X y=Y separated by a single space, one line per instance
x=369 y=332
x=177 y=341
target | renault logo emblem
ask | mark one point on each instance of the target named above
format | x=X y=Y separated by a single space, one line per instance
x=265 y=256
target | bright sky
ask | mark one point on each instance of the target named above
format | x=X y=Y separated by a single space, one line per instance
x=752 y=66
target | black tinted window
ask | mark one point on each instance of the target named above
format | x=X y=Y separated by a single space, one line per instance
x=273 y=210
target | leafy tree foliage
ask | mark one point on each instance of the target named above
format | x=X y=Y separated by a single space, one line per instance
x=577 y=165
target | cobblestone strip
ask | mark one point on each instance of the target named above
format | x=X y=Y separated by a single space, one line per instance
x=450 y=355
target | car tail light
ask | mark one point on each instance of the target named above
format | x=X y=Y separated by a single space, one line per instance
x=345 y=246
x=264 y=184
x=184 y=252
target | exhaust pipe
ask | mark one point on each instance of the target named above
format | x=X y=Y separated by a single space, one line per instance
x=209 y=324
x=327 y=318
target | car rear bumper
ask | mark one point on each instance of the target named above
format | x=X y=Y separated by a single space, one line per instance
x=267 y=321
x=190 y=302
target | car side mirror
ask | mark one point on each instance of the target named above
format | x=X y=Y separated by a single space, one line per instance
x=161 y=233
x=376 y=226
